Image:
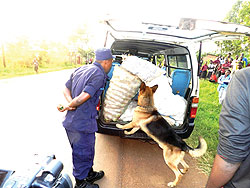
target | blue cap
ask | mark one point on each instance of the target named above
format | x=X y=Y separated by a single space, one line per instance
x=103 y=54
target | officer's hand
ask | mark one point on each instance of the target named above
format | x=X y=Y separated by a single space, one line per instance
x=62 y=108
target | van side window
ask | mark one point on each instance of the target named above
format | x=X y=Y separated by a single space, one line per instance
x=178 y=61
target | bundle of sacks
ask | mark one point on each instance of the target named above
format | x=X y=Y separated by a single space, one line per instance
x=122 y=88
x=125 y=83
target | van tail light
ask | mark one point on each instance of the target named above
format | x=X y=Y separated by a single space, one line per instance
x=194 y=107
x=98 y=106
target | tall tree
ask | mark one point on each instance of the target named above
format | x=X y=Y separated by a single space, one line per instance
x=239 y=14
x=3 y=54
x=79 y=43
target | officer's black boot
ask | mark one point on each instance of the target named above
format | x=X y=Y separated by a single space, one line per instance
x=85 y=184
x=94 y=176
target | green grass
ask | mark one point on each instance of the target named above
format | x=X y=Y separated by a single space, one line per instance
x=207 y=123
x=12 y=71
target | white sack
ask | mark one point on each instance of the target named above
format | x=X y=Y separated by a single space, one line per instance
x=145 y=70
x=122 y=88
x=128 y=114
x=166 y=102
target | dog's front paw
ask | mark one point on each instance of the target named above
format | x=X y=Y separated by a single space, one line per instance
x=171 y=184
x=119 y=126
x=183 y=171
x=127 y=132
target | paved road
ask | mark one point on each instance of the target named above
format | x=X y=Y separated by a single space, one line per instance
x=30 y=124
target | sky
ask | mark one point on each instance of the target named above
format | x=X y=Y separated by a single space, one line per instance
x=55 y=20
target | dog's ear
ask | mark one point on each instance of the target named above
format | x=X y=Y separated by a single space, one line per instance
x=154 y=88
x=143 y=86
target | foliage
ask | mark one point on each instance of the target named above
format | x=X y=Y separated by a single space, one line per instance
x=207 y=123
x=87 y=54
x=79 y=43
x=239 y=14
x=20 y=53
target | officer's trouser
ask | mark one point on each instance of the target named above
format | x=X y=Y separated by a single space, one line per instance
x=83 y=151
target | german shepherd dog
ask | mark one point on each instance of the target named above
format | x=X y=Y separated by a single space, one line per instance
x=147 y=118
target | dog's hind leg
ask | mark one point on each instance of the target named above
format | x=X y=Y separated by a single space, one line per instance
x=132 y=131
x=172 y=159
x=126 y=126
x=183 y=163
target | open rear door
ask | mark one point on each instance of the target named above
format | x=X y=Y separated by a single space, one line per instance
x=187 y=30
x=216 y=30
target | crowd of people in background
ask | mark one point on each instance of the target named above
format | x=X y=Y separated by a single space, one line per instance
x=221 y=71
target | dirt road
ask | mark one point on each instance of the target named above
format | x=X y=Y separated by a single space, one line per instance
x=30 y=123
x=137 y=164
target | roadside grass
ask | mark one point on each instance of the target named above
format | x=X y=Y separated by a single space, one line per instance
x=207 y=123
x=14 y=71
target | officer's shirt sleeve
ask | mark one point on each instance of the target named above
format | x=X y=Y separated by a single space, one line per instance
x=234 y=123
x=94 y=84
x=69 y=82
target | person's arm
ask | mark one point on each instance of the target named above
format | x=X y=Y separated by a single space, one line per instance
x=77 y=101
x=95 y=82
x=73 y=103
x=221 y=173
x=68 y=97
x=67 y=94
x=220 y=80
x=227 y=80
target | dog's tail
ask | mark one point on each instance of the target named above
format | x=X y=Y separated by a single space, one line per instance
x=200 y=150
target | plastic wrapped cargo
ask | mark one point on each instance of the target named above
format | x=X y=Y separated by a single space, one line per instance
x=123 y=87
x=145 y=70
x=167 y=103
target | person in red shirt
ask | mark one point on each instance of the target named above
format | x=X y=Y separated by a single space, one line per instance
x=217 y=61
x=218 y=70
x=213 y=78
x=226 y=66
x=204 y=71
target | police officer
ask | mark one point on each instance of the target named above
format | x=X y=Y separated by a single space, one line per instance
x=82 y=93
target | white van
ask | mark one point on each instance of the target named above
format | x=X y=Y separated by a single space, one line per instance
x=171 y=49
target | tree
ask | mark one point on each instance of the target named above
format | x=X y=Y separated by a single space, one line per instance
x=19 y=53
x=3 y=54
x=239 y=14
x=79 y=44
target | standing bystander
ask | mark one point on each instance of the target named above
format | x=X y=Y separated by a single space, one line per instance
x=232 y=161
x=204 y=71
x=223 y=84
x=244 y=60
x=35 y=62
x=226 y=65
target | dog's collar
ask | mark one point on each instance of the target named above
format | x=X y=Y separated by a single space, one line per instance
x=147 y=109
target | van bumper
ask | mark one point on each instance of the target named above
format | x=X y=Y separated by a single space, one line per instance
x=110 y=129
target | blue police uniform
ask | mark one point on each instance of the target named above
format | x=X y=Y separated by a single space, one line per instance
x=80 y=124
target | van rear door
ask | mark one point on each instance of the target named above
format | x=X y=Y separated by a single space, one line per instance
x=187 y=30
